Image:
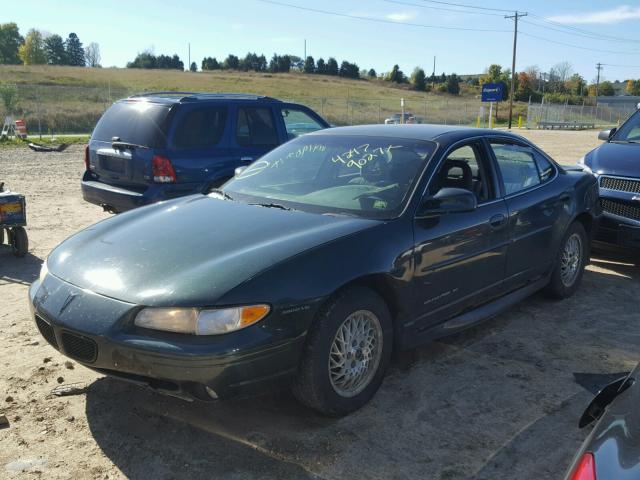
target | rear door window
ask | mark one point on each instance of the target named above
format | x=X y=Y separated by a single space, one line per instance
x=138 y=122
x=298 y=122
x=255 y=127
x=200 y=128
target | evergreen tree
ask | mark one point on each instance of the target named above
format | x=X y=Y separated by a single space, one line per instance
x=309 y=65
x=54 y=50
x=332 y=66
x=74 y=50
x=349 y=70
x=193 y=67
x=419 y=79
x=396 y=75
x=372 y=73
x=231 y=63
x=453 y=84
x=10 y=41
x=321 y=67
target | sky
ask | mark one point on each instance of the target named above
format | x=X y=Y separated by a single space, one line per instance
x=373 y=33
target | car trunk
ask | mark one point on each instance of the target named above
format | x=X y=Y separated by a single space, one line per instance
x=125 y=141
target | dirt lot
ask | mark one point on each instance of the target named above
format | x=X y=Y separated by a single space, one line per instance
x=499 y=401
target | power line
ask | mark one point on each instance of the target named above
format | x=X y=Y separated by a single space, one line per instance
x=583 y=31
x=579 y=34
x=468 y=6
x=379 y=20
x=457 y=10
x=637 y=52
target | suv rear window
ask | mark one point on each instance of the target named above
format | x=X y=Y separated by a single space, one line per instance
x=201 y=127
x=136 y=122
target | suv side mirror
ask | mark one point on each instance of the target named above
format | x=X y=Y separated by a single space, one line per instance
x=606 y=134
x=448 y=200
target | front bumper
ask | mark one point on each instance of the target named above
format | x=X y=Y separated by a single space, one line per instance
x=617 y=231
x=98 y=332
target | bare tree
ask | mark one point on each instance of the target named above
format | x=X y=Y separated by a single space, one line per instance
x=563 y=70
x=92 y=55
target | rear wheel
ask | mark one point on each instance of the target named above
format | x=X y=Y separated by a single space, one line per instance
x=19 y=241
x=573 y=256
x=347 y=352
x=1 y=235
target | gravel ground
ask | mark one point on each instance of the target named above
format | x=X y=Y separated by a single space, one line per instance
x=496 y=402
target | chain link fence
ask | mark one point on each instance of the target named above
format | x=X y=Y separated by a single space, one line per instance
x=546 y=115
x=54 y=110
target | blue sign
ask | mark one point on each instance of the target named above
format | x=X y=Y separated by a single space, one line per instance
x=492 y=92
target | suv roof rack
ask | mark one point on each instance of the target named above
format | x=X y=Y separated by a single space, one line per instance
x=204 y=96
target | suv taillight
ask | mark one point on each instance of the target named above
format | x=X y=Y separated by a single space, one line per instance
x=163 y=171
x=86 y=157
x=586 y=468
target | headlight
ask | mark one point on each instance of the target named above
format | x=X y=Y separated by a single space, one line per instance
x=43 y=271
x=200 y=322
x=584 y=166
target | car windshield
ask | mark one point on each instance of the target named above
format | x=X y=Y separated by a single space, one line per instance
x=629 y=131
x=357 y=175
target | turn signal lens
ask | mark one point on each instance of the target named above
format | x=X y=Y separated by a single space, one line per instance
x=201 y=322
x=586 y=468
x=253 y=314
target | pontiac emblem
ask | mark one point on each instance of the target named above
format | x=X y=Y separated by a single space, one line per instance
x=67 y=302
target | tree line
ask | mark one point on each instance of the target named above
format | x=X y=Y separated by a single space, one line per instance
x=37 y=48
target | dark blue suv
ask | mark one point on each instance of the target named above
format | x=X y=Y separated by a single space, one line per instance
x=163 y=145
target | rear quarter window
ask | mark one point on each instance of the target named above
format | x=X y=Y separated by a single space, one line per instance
x=138 y=122
x=200 y=127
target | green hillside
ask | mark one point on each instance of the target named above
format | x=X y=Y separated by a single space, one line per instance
x=71 y=99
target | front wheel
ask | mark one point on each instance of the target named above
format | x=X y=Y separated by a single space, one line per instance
x=570 y=262
x=347 y=352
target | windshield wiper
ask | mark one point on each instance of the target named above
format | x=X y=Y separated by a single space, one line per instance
x=624 y=141
x=272 y=205
x=222 y=193
x=118 y=145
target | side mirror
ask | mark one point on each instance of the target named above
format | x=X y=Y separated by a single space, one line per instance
x=448 y=200
x=238 y=171
x=604 y=397
x=606 y=134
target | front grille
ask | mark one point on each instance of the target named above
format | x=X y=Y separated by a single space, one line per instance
x=621 y=208
x=46 y=331
x=81 y=348
x=620 y=184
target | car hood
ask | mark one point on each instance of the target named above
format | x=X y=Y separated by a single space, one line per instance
x=190 y=251
x=622 y=159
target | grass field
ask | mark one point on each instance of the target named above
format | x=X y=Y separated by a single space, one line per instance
x=71 y=99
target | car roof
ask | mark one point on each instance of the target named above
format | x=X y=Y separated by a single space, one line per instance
x=446 y=133
x=170 y=98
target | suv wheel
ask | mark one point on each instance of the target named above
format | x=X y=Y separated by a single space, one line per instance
x=347 y=352
x=572 y=258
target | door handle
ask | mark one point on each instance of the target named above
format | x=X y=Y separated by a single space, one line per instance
x=246 y=159
x=498 y=221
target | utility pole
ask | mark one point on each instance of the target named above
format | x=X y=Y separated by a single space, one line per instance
x=305 y=49
x=515 y=16
x=598 y=67
x=189 y=67
x=433 y=74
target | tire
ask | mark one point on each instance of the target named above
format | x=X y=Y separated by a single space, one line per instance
x=322 y=387
x=1 y=235
x=569 y=266
x=19 y=241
